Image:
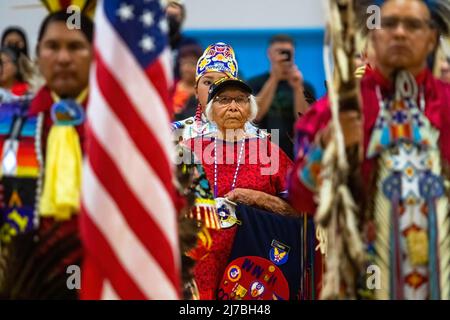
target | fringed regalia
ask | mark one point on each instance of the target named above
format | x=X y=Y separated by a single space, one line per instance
x=198 y=215
x=405 y=170
x=410 y=204
x=402 y=209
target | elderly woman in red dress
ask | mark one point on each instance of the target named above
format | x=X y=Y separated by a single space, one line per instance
x=242 y=168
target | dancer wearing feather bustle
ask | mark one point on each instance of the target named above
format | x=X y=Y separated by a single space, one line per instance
x=403 y=131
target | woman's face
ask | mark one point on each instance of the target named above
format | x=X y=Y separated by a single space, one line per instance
x=14 y=39
x=8 y=71
x=231 y=109
x=203 y=84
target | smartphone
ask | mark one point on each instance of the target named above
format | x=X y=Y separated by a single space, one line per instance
x=287 y=55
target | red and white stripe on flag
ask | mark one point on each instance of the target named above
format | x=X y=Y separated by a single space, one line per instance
x=128 y=222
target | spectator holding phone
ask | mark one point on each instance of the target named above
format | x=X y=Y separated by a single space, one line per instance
x=281 y=93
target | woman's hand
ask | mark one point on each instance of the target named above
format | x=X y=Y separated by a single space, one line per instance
x=261 y=200
x=245 y=196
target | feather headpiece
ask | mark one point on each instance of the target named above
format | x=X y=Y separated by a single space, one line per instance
x=87 y=7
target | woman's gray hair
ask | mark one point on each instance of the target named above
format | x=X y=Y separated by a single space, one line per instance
x=253 y=109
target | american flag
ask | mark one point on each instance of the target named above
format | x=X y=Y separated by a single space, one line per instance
x=128 y=218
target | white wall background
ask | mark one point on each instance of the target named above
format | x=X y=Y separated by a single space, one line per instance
x=201 y=14
x=243 y=14
x=24 y=13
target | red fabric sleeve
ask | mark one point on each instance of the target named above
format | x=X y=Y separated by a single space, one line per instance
x=300 y=197
x=444 y=142
x=279 y=179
